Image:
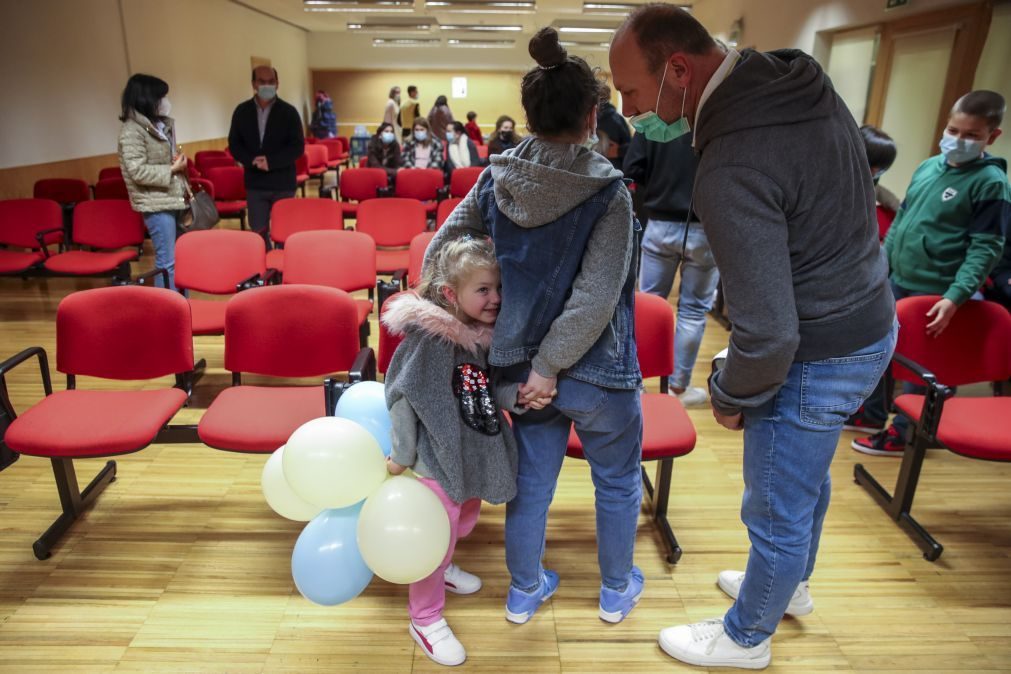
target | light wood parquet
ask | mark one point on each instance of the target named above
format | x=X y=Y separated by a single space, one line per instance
x=182 y=567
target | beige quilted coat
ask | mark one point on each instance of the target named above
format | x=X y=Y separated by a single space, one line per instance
x=146 y=158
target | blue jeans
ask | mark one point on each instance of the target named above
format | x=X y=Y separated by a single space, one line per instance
x=162 y=228
x=789 y=443
x=661 y=256
x=609 y=424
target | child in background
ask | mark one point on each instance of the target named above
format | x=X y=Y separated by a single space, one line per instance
x=447 y=423
x=473 y=130
x=881 y=154
x=949 y=231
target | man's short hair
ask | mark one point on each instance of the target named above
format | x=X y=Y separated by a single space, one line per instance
x=252 y=77
x=412 y=88
x=880 y=147
x=988 y=105
x=662 y=29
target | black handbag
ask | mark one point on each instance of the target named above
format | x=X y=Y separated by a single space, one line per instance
x=201 y=212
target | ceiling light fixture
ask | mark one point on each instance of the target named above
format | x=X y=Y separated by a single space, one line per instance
x=412 y=27
x=616 y=8
x=477 y=7
x=595 y=46
x=585 y=29
x=358 y=5
x=404 y=42
x=482 y=44
x=479 y=28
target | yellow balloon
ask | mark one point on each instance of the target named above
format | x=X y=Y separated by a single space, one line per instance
x=279 y=495
x=333 y=463
x=403 y=531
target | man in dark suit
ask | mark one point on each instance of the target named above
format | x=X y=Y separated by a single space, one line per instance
x=266 y=138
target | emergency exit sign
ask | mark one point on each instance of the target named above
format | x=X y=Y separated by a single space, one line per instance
x=892 y=4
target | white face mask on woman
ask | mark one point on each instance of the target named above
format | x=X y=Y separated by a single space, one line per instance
x=164 y=107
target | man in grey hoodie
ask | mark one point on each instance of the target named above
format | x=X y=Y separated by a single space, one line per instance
x=785 y=198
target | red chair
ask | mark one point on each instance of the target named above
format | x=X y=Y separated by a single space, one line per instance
x=206 y=154
x=667 y=431
x=124 y=333
x=388 y=342
x=229 y=192
x=301 y=173
x=202 y=185
x=345 y=144
x=416 y=257
x=28 y=223
x=336 y=259
x=282 y=331
x=110 y=172
x=205 y=164
x=885 y=218
x=107 y=225
x=974 y=348
x=216 y=262
x=299 y=215
x=391 y=223
x=358 y=185
x=426 y=185
x=482 y=151
x=317 y=156
x=446 y=207
x=111 y=188
x=363 y=161
x=335 y=154
x=462 y=179
x=64 y=191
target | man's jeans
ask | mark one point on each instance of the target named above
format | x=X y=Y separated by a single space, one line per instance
x=789 y=443
x=661 y=256
x=259 y=203
x=161 y=227
x=609 y=424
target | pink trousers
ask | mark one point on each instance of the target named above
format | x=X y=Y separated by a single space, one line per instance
x=427 y=597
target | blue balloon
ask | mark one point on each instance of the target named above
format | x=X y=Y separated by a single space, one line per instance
x=365 y=404
x=326 y=564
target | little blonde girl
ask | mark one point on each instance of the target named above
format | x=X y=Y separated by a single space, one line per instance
x=447 y=423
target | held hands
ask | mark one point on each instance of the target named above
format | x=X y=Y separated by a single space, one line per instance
x=538 y=392
x=179 y=163
x=261 y=163
x=393 y=467
x=941 y=313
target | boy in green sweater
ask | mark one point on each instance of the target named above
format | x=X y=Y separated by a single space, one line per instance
x=947 y=236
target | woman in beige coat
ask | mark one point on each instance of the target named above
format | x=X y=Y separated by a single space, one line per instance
x=151 y=167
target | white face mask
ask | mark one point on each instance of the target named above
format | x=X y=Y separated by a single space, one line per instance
x=450 y=136
x=164 y=107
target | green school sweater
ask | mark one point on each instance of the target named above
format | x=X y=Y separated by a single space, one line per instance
x=949 y=231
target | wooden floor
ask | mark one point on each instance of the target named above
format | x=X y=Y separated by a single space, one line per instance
x=182 y=567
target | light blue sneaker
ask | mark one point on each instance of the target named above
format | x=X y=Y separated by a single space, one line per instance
x=521 y=606
x=614 y=605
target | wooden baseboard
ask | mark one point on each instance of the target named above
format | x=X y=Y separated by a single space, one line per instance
x=17 y=182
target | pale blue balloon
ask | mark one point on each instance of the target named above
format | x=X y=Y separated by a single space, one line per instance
x=326 y=564
x=365 y=404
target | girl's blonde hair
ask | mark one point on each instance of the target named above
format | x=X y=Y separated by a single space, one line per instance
x=454 y=263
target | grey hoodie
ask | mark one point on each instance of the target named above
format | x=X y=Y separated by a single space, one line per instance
x=786 y=199
x=536 y=183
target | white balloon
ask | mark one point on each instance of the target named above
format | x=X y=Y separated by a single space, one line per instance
x=403 y=530
x=279 y=494
x=333 y=462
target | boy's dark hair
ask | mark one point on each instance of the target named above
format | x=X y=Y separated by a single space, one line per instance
x=458 y=127
x=471 y=116
x=880 y=147
x=988 y=105
x=441 y=100
x=560 y=92
x=661 y=29
x=383 y=127
x=411 y=90
x=141 y=94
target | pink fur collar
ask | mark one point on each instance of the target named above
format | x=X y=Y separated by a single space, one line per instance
x=409 y=310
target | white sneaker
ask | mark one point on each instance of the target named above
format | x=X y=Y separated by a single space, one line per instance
x=693 y=396
x=459 y=581
x=439 y=643
x=800 y=604
x=707 y=644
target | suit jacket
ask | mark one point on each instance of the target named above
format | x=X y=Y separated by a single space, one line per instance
x=283 y=143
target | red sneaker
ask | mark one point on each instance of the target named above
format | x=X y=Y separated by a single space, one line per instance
x=860 y=422
x=885 y=443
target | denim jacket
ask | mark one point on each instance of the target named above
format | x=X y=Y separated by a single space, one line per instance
x=531 y=302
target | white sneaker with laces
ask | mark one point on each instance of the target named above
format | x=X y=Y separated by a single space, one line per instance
x=800 y=604
x=693 y=396
x=707 y=644
x=459 y=581
x=439 y=643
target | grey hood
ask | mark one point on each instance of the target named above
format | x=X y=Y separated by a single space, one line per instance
x=539 y=181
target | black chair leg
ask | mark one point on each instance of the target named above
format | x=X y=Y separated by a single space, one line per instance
x=898 y=505
x=74 y=501
x=659 y=497
x=363 y=334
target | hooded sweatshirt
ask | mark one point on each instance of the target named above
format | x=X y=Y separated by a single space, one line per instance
x=950 y=230
x=536 y=183
x=784 y=195
x=444 y=406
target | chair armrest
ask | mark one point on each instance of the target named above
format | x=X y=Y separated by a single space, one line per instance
x=923 y=373
x=385 y=191
x=933 y=401
x=387 y=289
x=400 y=278
x=15 y=360
x=141 y=280
x=257 y=280
x=328 y=192
x=364 y=367
x=41 y=238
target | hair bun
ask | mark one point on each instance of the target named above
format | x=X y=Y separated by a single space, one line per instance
x=546 y=49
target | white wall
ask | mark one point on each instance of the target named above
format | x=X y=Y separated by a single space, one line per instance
x=994 y=71
x=68 y=61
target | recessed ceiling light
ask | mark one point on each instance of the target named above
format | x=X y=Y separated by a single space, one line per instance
x=358 y=5
x=585 y=45
x=479 y=28
x=616 y=8
x=482 y=44
x=585 y=29
x=406 y=27
x=477 y=7
x=404 y=42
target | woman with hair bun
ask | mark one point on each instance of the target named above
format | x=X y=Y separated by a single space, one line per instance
x=561 y=220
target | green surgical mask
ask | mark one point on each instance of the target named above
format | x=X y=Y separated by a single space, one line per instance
x=654 y=128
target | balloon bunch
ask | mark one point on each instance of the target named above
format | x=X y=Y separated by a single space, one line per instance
x=332 y=474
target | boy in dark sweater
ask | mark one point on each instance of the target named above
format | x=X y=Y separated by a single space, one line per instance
x=948 y=234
